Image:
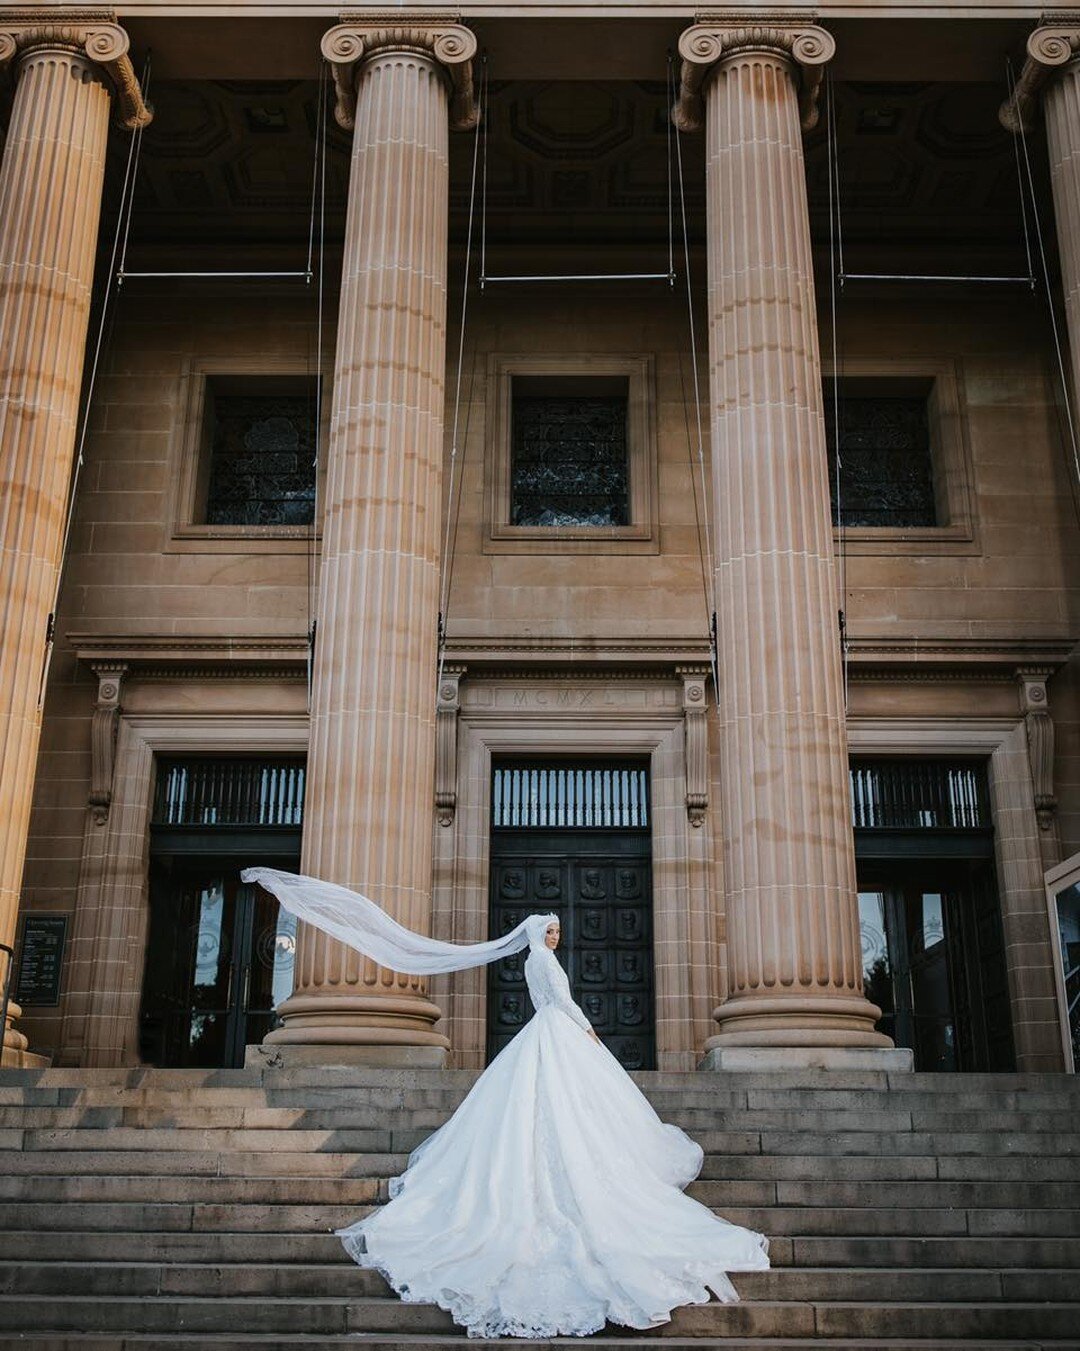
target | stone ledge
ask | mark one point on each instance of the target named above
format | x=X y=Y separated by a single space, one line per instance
x=763 y=1059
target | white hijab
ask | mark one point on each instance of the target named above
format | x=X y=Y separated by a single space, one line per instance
x=365 y=926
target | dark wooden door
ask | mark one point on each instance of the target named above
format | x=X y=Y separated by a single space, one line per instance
x=599 y=883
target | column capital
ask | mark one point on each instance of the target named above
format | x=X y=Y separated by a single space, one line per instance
x=715 y=37
x=433 y=33
x=1049 y=48
x=92 y=33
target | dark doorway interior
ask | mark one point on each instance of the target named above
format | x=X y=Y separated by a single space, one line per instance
x=932 y=937
x=574 y=840
x=219 y=954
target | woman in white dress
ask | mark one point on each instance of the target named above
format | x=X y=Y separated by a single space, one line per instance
x=551 y=1202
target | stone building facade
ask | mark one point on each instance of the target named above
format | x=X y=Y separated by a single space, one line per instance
x=792 y=759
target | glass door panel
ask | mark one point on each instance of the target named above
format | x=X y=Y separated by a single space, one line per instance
x=926 y=959
x=877 y=965
x=219 y=960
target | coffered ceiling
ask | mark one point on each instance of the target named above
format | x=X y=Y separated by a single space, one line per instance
x=231 y=164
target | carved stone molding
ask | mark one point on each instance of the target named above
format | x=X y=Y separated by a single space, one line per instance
x=1050 y=47
x=695 y=703
x=91 y=32
x=447 y=708
x=103 y=727
x=715 y=37
x=433 y=33
x=1035 y=706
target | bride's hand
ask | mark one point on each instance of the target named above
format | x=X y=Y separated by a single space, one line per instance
x=592 y=1033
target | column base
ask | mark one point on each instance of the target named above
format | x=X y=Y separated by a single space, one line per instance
x=357 y=1029
x=384 y=1057
x=765 y=1059
x=807 y=1020
x=23 y=1060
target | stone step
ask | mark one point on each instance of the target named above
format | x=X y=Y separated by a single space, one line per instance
x=352 y=1076
x=619 y=1341
x=291 y=1190
x=806 y=1142
x=337 y=1316
x=303 y=1191
x=135 y=1217
x=209 y=1163
x=354 y=1097
x=299 y=1281
x=397 y=1118
x=314 y=1247
x=738 y=1167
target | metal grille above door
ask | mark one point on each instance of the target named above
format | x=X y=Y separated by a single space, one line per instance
x=590 y=797
x=574 y=839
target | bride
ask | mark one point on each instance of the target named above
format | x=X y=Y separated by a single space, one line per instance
x=551 y=1202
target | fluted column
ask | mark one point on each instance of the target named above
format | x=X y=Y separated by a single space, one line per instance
x=50 y=199
x=1051 y=75
x=794 y=956
x=368 y=814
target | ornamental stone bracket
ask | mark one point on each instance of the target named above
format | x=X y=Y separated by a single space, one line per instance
x=447 y=708
x=103 y=727
x=1035 y=706
x=695 y=703
x=93 y=33
x=1050 y=47
x=433 y=33
x=714 y=36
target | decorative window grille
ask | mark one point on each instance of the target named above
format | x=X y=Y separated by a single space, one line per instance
x=569 y=464
x=919 y=795
x=886 y=475
x=262 y=459
x=551 y=797
x=229 y=793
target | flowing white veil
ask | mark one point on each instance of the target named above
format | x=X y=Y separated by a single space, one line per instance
x=363 y=925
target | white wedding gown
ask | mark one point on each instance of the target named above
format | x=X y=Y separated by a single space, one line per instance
x=550 y=1203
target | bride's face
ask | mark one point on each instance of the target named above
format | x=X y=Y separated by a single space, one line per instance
x=551 y=936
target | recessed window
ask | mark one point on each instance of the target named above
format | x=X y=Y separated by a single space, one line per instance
x=571 y=454
x=886 y=459
x=569 y=460
x=260 y=446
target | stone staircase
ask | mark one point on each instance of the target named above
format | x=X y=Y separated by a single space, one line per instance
x=150 y=1209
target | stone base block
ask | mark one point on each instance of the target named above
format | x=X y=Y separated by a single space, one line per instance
x=24 y=1060
x=392 y=1057
x=758 y=1059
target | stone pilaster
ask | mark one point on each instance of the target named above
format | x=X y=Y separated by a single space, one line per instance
x=50 y=199
x=1051 y=75
x=794 y=955
x=370 y=790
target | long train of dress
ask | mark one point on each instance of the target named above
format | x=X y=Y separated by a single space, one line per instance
x=551 y=1202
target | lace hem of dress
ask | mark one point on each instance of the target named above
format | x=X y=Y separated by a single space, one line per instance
x=468 y=1312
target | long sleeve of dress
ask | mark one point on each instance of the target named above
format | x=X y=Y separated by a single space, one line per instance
x=548 y=984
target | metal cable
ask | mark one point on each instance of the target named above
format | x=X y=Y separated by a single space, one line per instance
x=447 y=557
x=711 y=595
x=127 y=194
x=834 y=261
x=1066 y=392
x=320 y=168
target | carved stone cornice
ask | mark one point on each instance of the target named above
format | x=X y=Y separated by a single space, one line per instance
x=93 y=33
x=433 y=33
x=714 y=37
x=1053 y=45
